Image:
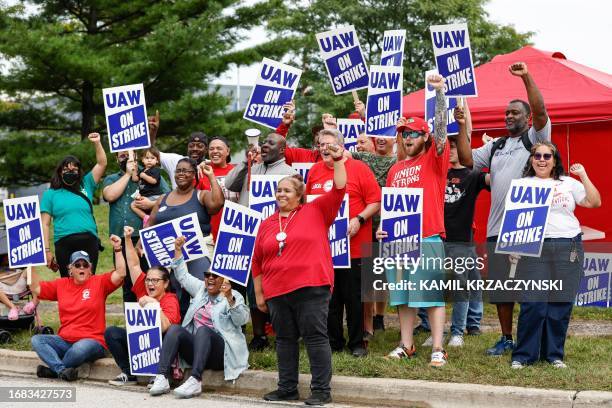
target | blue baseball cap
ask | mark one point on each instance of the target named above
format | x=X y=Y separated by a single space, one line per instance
x=79 y=255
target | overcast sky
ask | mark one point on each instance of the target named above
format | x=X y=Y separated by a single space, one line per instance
x=580 y=29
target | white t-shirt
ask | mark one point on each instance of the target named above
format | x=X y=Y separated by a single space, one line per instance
x=168 y=163
x=567 y=192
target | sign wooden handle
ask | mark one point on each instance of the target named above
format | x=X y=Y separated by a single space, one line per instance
x=512 y=271
x=355 y=96
x=29 y=275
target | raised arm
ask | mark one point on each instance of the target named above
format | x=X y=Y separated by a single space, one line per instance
x=98 y=170
x=133 y=261
x=439 y=134
x=113 y=192
x=536 y=101
x=593 y=198
x=153 y=127
x=213 y=200
x=188 y=282
x=400 y=142
x=463 y=140
x=120 y=270
x=339 y=168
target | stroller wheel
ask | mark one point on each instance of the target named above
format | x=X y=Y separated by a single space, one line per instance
x=5 y=337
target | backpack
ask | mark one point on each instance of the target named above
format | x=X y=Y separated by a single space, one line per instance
x=499 y=143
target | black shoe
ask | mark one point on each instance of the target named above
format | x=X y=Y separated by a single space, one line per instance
x=420 y=329
x=280 y=395
x=359 y=352
x=45 y=372
x=259 y=343
x=318 y=398
x=473 y=331
x=379 y=323
x=69 y=374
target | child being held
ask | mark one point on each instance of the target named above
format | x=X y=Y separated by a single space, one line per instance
x=148 y=181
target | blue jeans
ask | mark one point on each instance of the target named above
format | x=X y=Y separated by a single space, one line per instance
x=59 y=354
x=545 y=315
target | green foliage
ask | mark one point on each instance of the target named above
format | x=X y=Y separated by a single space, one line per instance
x=60 y=54
x=299 y=21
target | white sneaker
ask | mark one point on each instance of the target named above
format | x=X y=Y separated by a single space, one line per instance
x=160 y=385
x=190 y=388
x=559 y=364
x=123 y=379
x=438 y=358
x=428 y=342
x=517 y=365
x=456 y=341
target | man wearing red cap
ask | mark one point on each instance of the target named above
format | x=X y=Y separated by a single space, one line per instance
x=425 y=167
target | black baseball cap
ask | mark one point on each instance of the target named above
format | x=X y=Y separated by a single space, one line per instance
x=198 y=137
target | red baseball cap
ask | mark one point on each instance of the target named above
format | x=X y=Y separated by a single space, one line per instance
x=354 y=115
x=417 y=124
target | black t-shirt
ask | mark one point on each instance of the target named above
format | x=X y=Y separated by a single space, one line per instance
x=148 y=190
x=462 y=188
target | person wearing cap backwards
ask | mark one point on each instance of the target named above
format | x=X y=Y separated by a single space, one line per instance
x=505 y=157
x=197 y=147
x=81 y=301
x=364 y=201
x=210 y=335
x=425 y=167
x=273 y=156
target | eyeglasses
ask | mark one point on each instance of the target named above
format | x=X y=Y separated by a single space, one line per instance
x=413 y=134
x=154 y=281
x=540 y=156
x=184 y=171
x=81 y=265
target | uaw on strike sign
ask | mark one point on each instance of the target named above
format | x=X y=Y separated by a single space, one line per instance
x=274 y=87
x=339 y=242
x=143 y=326
x=344 y=61
x=24 y=232
x=401 y=216
x=126 y=117
x=524 y=223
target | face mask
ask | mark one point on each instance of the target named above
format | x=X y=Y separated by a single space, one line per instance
x=123 y=165
x=69 y=178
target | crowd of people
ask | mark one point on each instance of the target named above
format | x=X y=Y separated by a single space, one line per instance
x=293 y=284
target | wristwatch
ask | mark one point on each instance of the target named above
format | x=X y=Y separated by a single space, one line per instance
x=361 y=219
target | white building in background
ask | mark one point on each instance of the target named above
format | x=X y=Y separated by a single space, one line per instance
x=239 y=95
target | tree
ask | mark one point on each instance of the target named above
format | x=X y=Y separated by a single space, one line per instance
x=61 y=53
x=300 y=21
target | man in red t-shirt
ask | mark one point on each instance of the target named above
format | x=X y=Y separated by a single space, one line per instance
x=364 y=201
x=425 y=167
x=81 y=301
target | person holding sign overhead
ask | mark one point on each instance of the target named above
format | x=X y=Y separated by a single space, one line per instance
x=68 y=202
x=81 y=301
x=150 y=287
x=184 y=200
x=505 y=157
x=425 y=167
x=544 y=317
x=211 y=334
x=295 y=239
x=364 y=202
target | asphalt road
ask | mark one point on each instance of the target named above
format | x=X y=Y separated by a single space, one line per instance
x=93 y=394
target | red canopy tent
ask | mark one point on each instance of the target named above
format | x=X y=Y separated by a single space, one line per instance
x=579 y=102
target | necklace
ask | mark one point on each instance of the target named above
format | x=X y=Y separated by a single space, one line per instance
x=282 y=235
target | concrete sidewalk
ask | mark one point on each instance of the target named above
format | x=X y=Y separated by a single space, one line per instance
x=365 y=391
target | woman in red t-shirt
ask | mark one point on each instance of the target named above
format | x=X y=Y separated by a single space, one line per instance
x=152 y=287
x=81 y=301
x=293 y=277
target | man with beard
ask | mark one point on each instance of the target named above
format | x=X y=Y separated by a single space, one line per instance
x=197 y=147
x=117 y=190
x=506 y=157
x=273 y=162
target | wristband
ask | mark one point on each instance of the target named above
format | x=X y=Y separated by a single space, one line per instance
x=117 y=250
x=360 y=219
x=336 y=159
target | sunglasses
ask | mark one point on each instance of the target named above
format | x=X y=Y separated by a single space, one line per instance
x=540 y=156
x=154 y=281
x=211 y=275
x=413 y=134
x=81 y=265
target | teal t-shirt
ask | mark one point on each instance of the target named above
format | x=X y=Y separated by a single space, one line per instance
x=70 y=213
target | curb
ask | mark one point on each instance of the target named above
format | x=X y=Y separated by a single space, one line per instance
x=374 y=391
